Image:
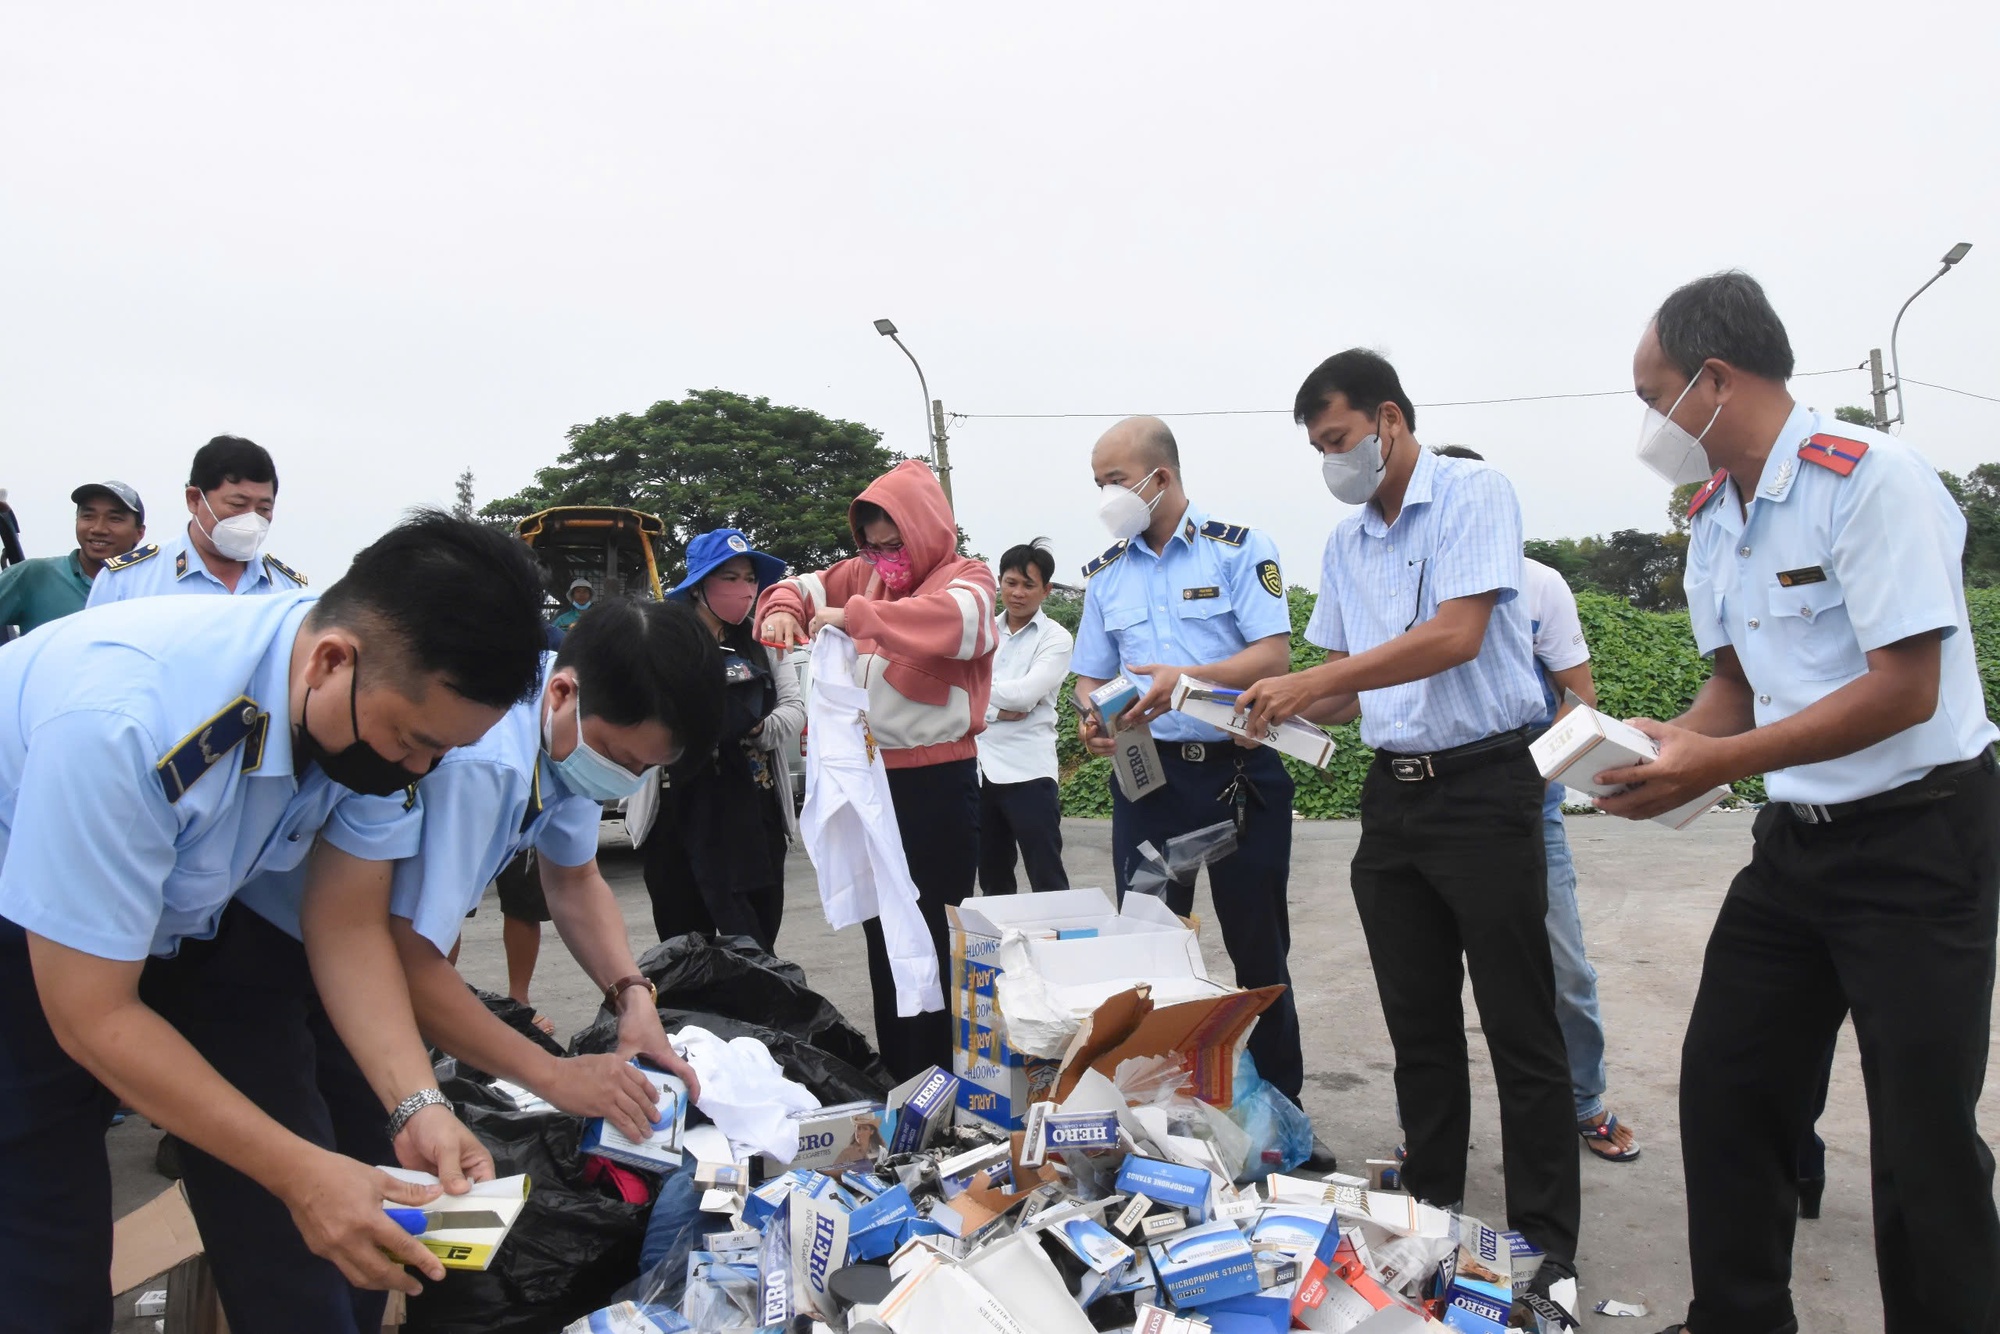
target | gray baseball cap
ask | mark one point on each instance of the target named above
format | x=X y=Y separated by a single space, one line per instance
x=121 y=492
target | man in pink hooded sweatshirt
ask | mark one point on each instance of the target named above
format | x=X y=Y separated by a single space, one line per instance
x=921 y=617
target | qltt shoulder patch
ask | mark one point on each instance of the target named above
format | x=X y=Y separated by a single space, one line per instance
x=1267 y=575
x=1833 y=452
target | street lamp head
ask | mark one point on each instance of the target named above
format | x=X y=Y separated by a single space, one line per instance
x=887 y=328
x=1951 y=256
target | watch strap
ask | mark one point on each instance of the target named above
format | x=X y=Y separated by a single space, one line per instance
x=625 y=984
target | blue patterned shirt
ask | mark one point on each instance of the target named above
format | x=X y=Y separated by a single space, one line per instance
x=1458 y=535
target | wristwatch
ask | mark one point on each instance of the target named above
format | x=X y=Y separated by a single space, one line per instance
x=625 y=984
x=413 y=1104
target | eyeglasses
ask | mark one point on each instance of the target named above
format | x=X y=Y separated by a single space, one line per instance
x=872 y=553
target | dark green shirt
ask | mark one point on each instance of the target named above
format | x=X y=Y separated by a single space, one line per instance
x=41 y=590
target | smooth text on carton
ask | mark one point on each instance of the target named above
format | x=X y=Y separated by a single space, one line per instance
x=1584 y=743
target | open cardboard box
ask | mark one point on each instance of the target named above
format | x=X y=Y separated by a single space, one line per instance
x=160 y=1237
x=1206 y=1034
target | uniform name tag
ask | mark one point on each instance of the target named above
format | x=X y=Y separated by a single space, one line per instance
x=1809 y=574
x=1197 y=594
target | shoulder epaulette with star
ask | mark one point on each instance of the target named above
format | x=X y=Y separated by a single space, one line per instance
x=1707 y=492
x=1229 y=534
x=273 y=563
x=1116 y=550
x=239 y=723
x=133 y=557
x=1835 y=453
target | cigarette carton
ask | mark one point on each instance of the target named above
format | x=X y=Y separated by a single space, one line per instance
x=923 y=1109
x=1296 y=1229
x=1168 y=1183
x=1205 y=1264
x=774 y=1269
x=1585 y=743
x=956 y=1175
x=1079 y=1132
x=1136 y=761
x=832 y=1138
x=1216 y=706
x=819 y=1246
x=660 y=1150
x=1091 y=1242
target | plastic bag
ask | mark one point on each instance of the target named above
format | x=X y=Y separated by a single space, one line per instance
x=1185 y=855
x=1161 y=1082
x=1280 y=1134
x=1035 y=1022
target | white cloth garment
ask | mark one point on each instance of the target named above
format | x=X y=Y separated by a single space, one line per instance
x=745 y=1092
x=849 y=827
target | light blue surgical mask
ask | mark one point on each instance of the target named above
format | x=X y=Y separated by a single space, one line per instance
x=584 y=771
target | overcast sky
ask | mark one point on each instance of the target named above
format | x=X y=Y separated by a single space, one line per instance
x=389 y=242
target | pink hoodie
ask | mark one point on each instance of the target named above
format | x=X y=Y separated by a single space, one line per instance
x=925 y=656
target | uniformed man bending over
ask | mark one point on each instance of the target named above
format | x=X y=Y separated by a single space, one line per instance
x=232 y=490
x=1180 y=593
x=155 y=757
x=1823 y=579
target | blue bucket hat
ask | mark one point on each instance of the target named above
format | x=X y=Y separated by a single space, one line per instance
x=710 y=550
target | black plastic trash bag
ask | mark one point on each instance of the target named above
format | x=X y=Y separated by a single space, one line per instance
x=733 y=989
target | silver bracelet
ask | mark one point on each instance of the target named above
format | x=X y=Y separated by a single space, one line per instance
x=413 y=1104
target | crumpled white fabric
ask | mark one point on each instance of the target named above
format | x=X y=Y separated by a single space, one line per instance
x=745 y=1092
x=849 y=827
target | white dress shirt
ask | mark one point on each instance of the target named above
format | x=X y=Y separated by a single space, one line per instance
x=1028 y=669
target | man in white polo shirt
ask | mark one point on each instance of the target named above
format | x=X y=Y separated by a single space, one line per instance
x=1018 y=802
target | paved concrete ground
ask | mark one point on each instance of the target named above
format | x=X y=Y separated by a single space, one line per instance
x=1648 y=898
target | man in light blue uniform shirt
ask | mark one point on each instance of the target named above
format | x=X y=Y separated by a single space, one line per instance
x=634 y=684
x=1425 y=634
x=152 y=759
x=1823 y=577
x=1181 y=593
x=231 y=491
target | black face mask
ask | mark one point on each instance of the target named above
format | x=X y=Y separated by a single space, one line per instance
x=357 y=768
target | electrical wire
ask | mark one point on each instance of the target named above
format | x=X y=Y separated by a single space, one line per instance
x=1259 y=412
x=1949 y=390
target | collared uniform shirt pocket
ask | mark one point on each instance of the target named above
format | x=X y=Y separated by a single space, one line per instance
x=1131 y=629
x=1205 y=623
x=1814 y=636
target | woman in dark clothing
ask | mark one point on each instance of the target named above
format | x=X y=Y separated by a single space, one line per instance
x=715 y=854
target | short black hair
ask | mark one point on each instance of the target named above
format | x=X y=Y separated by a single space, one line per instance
x=639 y=662
x=1034 y=556
x=1365 y=378
x=863 y=513
x=1458 y=452
x=1725 y=316
x=231 y=458
x=448 y=596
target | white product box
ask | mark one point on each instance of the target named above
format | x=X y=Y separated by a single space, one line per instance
x=1136 y=761
x=1585 y=743
x=1294 y=736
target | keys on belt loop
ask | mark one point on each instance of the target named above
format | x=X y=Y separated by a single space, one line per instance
x=1239 y=793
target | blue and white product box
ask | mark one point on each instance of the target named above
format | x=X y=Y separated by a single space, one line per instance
x=819 y=1246
x=774 y=1269
x=1136 y=759
x=875 y=1229
x=924 y=1107
x=864 y=1186
x=1296 y=1229
x=1112 y=699
x=1476 y=1307
x=1079 y=1132
x=1205 y=1264
x=994 y=1161
x=1091 y=1242
x=1255 y=1313
x=1166 y=1183
x=835 y=1137
x=658 y=1152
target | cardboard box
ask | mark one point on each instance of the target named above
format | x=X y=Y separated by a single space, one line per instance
x=832 y=1138
x=1585 y=743
x=1136 y=761
x=1205 y=1264
x=660 y=1151
x=468 y=1247
x=1207 y=1035
x=1165 y=1183
x=1215 y=705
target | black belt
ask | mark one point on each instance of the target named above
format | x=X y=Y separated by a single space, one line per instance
x=1936 y=785
x=1205 y=752
x=1457 y=760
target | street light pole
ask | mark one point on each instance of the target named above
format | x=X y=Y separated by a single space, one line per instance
x=1951 y=257
x=933 y=411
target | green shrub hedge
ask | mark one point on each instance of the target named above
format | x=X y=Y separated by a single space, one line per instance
x=1644 y=663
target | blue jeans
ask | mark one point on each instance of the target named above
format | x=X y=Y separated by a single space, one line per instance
x=1576 y=980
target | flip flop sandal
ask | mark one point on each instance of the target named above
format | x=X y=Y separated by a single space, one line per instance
x=546 y=1024
x=1605 y=1134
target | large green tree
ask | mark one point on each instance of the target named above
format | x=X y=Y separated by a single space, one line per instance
x=715 y=459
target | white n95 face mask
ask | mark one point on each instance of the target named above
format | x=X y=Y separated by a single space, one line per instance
x=1355 y=476
x=1123 y=513
x=1670 y=451
x=240 y=536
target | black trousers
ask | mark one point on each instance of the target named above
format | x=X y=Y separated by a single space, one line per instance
x=246 y=1001
x=937 y=814
x=683 y=903
x=1450 y=877
x=1249 y=885
x=1027 y=815
x=1890 y=916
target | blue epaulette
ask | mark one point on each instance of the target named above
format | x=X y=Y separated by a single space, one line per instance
x=273 y=563
x=1117 y=549
x=240 y=722
x=1229 y=534
x=133 y=557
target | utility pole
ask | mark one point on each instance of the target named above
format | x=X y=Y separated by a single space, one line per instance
x=943 y=451
x=1881 y=392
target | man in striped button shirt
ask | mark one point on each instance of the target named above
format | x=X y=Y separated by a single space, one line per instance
x=1428 y=641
